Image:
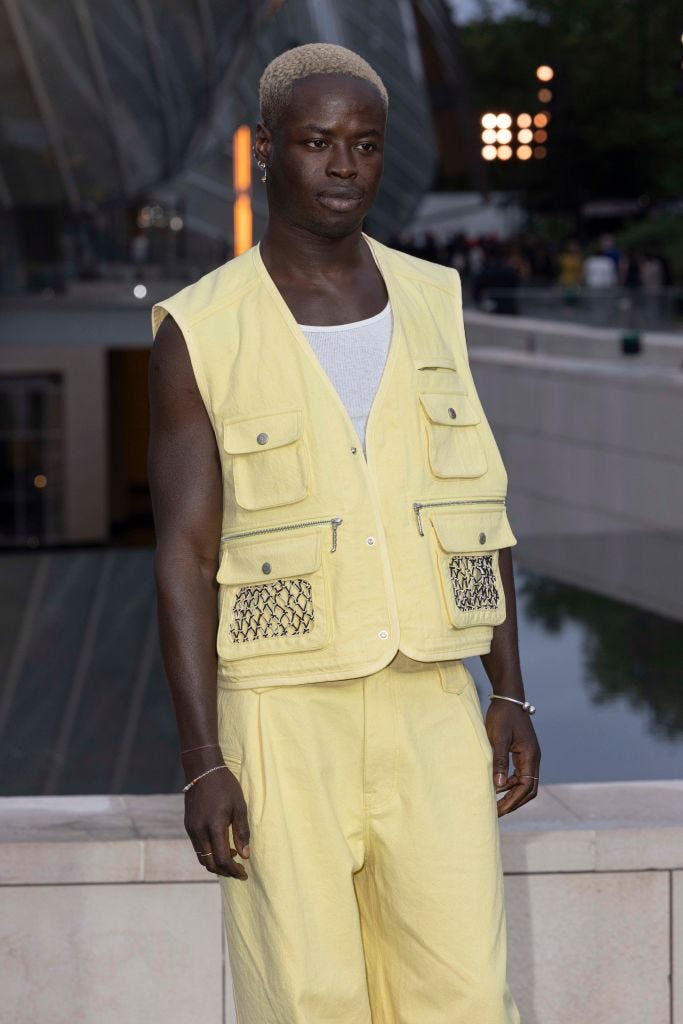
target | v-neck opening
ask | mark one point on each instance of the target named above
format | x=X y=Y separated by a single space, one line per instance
x=295 y=329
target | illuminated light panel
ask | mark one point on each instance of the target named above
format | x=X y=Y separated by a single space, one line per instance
x=524 y=152
x=489 y=121
x=544 y=73
x=541 y=120
x=489 y=153
x=504 y=152
x=489 y=135
x=504 y=135
x=540 y=152
x=40 y=481
x=525 y=135
x=540 y=136
x=503 y=121
x=523 y=120
x=544 y=95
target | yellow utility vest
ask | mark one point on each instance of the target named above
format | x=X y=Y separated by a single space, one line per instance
x=329 y=563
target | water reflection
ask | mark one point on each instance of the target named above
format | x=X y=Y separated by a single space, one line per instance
x=606 y=681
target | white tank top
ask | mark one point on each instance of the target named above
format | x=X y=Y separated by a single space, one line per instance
x=353 y=356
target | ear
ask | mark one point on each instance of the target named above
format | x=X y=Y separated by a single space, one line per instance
x=263 y=142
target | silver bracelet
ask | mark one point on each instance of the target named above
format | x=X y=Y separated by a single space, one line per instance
x=208 y=772
x=524 y=704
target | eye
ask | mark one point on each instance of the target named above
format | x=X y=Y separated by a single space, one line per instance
x=316 y=143
x=369 y=146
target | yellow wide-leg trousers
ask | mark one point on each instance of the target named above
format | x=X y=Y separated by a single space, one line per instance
x=375 y=889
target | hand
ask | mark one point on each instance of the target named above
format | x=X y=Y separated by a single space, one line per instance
x=215 y=802
x=510 y=731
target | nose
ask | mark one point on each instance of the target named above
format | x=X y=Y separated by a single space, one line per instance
x=342 y=162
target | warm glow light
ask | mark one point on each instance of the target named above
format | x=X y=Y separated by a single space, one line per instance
x=544 y=73
x=489 y=121
x=489 y=153
x=526 y=135
x=524 y=152
x=544 y=95
x=523 y=120
x=241 y=179
x=540 y=152
x=504 y=152
x=40 y=481
x=540 y=136
x=541 y=120
x=139 y=291
x=503 y=135
x=489 y=135
x=503 y=121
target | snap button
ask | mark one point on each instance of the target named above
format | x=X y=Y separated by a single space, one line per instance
x=382 y=634
x=482 y=538
x=266 y=567
x=370 y=540
x=353 y=451
x=262 y=438
x=451 y=412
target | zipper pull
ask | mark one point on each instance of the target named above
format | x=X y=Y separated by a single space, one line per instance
x=336 y=521
x=418 y=509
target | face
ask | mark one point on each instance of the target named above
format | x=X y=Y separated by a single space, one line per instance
x=325 y=156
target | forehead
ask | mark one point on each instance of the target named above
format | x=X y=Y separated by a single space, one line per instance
x=331 y=98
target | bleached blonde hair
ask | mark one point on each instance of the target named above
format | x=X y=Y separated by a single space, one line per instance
x=287 y=68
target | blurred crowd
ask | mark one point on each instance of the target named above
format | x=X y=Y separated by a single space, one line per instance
x=489 y=265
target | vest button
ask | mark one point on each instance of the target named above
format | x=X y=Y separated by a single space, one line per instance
x=451 y=412
x=266 y=567
x=370 y=540
x=482 y=538
x=262 y=438
x=383 y=634
x=353 y=451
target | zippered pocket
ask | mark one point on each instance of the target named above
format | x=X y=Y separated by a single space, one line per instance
x=274 y=589
x=334 y=521
x=419 y=505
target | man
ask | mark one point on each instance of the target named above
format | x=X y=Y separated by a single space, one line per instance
x=323 y=706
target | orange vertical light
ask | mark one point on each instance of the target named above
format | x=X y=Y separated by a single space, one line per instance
x=241 y=181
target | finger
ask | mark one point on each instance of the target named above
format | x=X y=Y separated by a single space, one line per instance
x=513 y=799
x=223 y=862
x=240 y=828
x=500 y=766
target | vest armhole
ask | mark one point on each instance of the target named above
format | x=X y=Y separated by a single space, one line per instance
x=459 y=316
x=159 y=313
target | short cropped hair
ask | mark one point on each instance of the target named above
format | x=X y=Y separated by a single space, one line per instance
x=289 y=67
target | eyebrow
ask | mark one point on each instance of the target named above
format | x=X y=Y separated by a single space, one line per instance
x=328 y=131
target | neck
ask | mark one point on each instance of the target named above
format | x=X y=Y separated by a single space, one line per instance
x=294 y=251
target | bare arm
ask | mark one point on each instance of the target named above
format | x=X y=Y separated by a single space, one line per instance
x=186 y=488
x=508 y=726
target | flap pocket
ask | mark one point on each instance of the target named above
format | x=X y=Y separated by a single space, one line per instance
x=261 y=433
x=270 y=558
x=449 y=408
x=486 y=530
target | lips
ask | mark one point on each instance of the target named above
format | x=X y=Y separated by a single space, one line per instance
x=340 y=199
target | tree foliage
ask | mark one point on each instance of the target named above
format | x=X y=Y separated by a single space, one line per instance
x=617 y=119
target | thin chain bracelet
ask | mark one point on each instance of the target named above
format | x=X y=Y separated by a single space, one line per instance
x=207 y=772
x=524 y=704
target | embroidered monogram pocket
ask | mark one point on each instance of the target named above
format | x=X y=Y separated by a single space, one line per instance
x=454 y=448
x=273 y=595
x=466 y=546
x=270 y=464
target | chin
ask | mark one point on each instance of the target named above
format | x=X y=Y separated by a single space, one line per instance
x=340 y=227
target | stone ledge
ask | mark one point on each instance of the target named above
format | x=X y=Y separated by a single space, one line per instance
x=606 y=826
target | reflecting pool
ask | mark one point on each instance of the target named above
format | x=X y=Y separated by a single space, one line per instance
x=84 y=706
